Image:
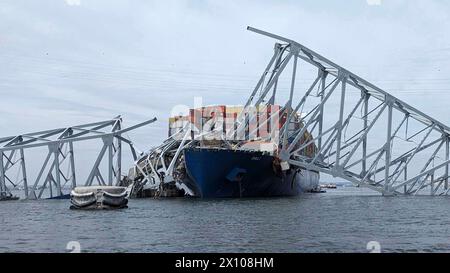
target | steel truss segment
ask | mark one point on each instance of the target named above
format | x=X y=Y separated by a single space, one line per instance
x=276 y=59
x=58 y=168
x=325 y=99
x=306 y=53
x=408 y=163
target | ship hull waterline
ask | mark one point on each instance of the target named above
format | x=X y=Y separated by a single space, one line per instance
x=224 y=173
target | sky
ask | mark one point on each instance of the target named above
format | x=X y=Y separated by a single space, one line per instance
x=67 y=62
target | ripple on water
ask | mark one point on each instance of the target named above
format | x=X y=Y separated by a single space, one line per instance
x=342 y=220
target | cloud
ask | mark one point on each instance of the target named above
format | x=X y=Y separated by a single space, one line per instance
x=373 y=2
x=73 y=2
x=141 y=58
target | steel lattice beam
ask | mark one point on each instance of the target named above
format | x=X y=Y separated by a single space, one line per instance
x=51 y=178
x=394 y=148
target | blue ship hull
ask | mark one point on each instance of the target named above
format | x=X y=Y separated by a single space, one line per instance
x=221 y=173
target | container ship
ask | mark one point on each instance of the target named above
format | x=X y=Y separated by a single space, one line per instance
x=219 y=173
x=209 y=157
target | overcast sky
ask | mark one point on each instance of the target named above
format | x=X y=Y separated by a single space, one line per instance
x=66 y=62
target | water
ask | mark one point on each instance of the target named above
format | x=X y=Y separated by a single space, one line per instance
x=341 y=220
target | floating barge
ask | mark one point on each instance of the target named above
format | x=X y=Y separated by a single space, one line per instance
x=99 y=197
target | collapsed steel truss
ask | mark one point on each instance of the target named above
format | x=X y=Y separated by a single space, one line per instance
x=159 y=164
x=164 y=164
x=362 y=133
x=51 y=178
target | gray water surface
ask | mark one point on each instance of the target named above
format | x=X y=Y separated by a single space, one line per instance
x=341 y=220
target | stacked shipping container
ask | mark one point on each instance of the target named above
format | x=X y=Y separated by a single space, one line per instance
x=264 y=121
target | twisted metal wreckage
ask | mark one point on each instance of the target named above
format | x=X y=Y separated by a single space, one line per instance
x=344 y=114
